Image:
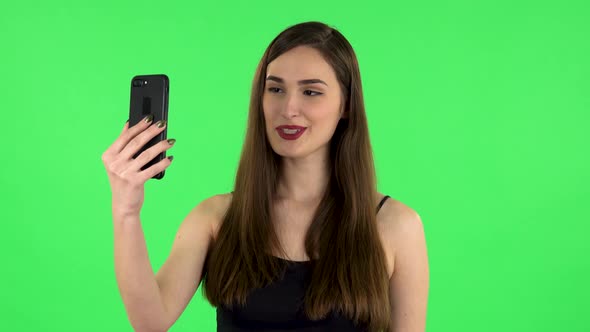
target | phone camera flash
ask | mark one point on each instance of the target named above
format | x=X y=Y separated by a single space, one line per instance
x=144 y=82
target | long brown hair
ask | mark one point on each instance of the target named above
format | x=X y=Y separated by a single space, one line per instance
x=349 y=270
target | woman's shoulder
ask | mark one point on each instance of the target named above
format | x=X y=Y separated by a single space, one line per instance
x=392 y=206
x=222 y=201
x=394 y=210
x=397 y=221
x=219 y=205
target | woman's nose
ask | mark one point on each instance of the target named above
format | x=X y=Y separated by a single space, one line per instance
x=291 y=107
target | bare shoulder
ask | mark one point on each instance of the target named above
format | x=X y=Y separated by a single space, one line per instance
x=400 y=224
x=397 y=214
x=207 y=214
x=219 y=204
x=214 y=206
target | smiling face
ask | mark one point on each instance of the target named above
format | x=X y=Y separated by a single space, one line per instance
x=301 y=89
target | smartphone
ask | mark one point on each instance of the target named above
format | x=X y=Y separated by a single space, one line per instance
x=149 y=95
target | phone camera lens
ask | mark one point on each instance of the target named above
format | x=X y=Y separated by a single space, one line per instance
x=137 y=82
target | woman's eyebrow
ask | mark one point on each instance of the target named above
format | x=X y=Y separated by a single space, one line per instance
x=302 y=82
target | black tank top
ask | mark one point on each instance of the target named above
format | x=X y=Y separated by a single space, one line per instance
x=279 y=306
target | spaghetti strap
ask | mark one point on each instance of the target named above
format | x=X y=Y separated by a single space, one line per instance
x=381 y=203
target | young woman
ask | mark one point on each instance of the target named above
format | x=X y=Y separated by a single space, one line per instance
x=304 y=242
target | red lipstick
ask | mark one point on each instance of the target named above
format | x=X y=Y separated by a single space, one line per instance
x=292 y=133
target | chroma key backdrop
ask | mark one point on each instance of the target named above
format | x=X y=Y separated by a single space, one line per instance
x=479 y=118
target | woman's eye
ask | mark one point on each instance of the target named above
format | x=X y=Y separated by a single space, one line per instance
x=316 y=93
x=306 y=92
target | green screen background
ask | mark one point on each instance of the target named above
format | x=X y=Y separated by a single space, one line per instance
x=478 y=114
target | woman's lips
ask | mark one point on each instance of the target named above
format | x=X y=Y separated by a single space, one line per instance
x=290 y=127
x=294 y=136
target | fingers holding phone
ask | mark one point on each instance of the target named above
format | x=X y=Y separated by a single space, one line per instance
x=126 y=176
x=138 y=136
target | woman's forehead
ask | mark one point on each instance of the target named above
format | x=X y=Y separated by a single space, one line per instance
x=301 y=63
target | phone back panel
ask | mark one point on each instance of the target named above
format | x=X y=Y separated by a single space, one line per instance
x=151 y=97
